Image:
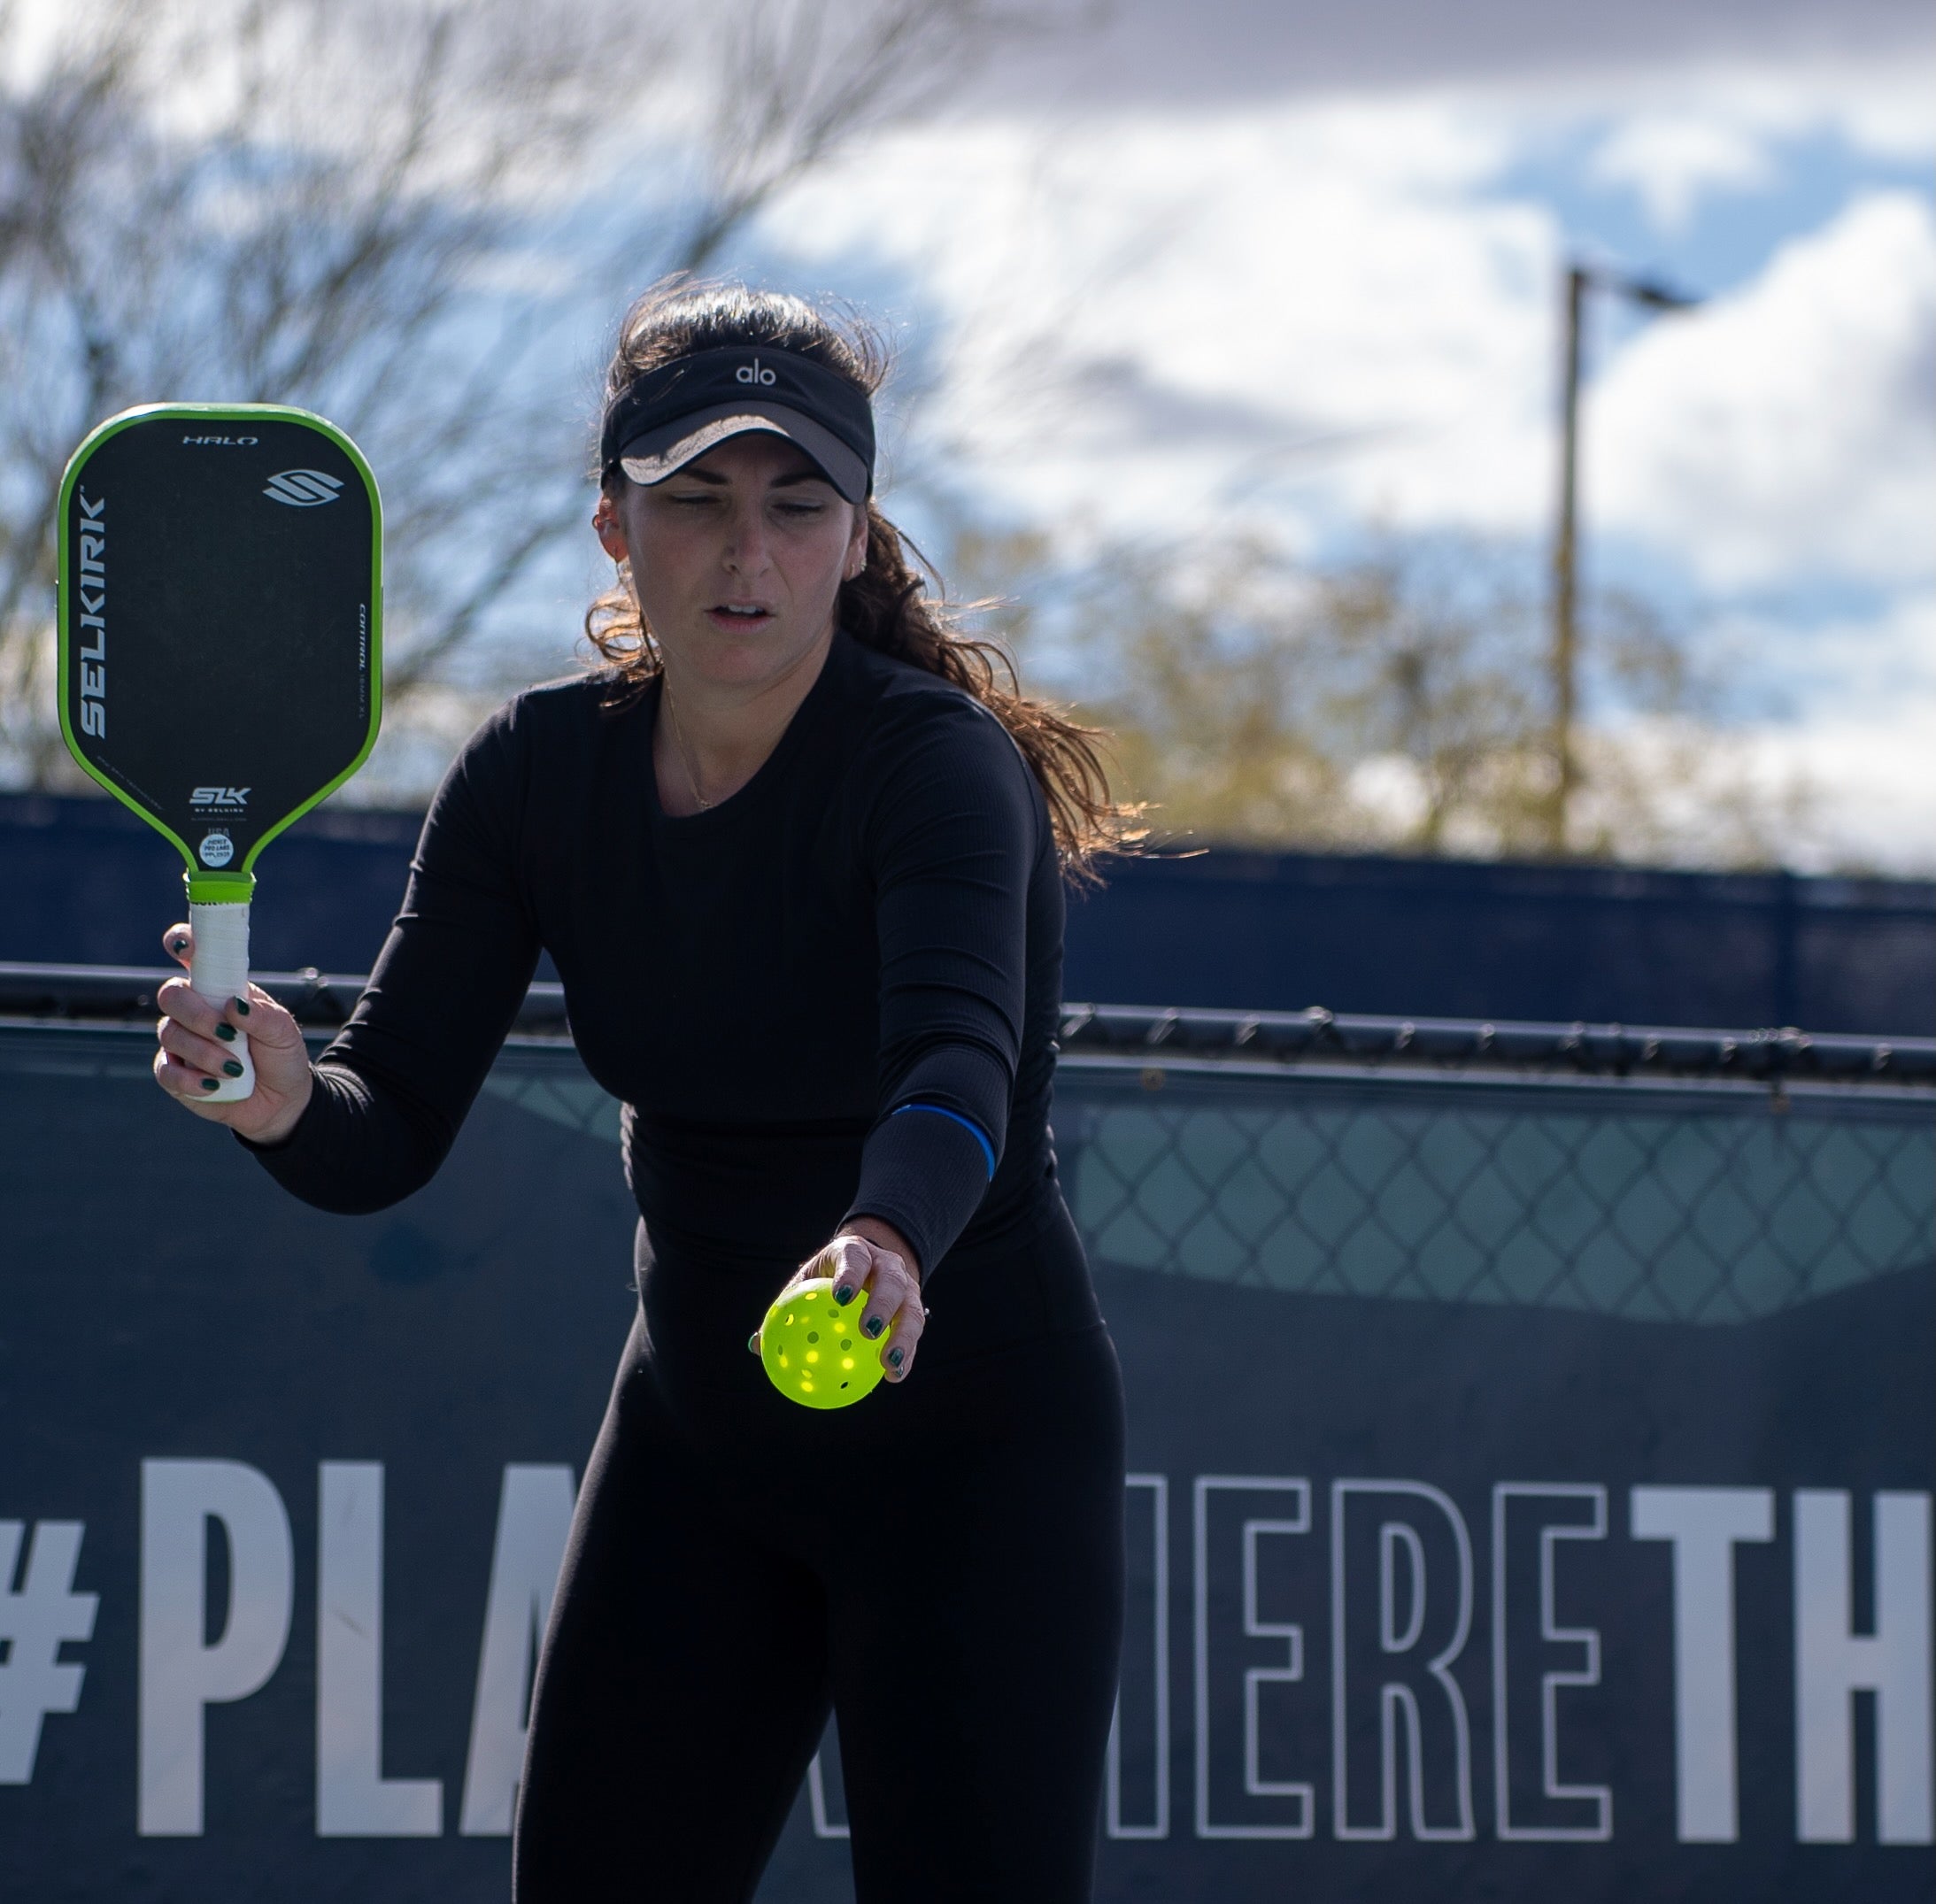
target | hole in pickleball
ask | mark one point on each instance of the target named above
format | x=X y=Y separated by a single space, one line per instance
x=845 y=1344
x=812 y=1355
x=844 y=1384
x=784 y=1363
x=846 y=1361
x=812 y=1335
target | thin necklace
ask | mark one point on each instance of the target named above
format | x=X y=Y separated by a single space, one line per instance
x=679 y=742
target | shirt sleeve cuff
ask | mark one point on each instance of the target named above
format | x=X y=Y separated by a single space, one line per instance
x=926 y=1174
x=303 y=1127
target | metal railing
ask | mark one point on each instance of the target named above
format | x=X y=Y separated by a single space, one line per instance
x=101 y=994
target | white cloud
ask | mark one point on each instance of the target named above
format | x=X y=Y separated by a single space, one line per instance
x=1315 y=314
x=1869 y=790
x=1317 y=309
x=1892 y=120
x=1673 y=162
x=1321 y=313
x=1877 y=109
x=1839 y=668
x=1702 y=133
x=1322 y=308
x=1783 y=431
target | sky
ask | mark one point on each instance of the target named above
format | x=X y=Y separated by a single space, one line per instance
x=1190 y=265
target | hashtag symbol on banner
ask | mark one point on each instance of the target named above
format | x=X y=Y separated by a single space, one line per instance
x=35 y=1618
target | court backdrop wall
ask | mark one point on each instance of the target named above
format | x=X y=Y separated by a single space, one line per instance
x=1230 y=928
x=1530 y=1493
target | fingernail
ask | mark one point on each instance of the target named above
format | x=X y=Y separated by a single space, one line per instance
x=242 y=1006
x=873 y=1325
x=178 y=946
x=227 y=1033
x=232 y=1068
x=895 y=1356
x=209 y=1084
x=842 y=1293
x=753 y=1343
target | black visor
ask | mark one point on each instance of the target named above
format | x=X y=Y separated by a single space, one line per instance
x=669 y=416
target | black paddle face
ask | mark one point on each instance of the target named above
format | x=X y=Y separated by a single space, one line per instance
x=221 y=602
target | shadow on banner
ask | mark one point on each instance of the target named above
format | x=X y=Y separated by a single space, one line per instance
x=1530 y=1491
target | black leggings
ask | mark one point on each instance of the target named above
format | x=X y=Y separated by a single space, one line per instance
x=941 y=1566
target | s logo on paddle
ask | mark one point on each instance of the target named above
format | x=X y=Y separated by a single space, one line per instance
x=302 y=489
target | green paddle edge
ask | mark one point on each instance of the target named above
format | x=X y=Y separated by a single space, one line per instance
x=228 y=888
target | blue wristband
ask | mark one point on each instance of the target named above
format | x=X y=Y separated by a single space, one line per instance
x=967 y=1123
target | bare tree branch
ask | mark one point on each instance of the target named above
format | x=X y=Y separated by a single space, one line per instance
x=402 y=213
x=798 y=80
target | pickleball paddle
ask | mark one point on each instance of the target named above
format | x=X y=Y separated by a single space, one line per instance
x=812 y=1349
x=221 y=575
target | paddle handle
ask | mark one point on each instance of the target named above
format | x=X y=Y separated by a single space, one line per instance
x=220 y=972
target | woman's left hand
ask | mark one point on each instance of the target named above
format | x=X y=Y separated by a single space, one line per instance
x=871 y=1263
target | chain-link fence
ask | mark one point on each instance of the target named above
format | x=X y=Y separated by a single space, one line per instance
x=1689 y=1200
x=1668 y=1176
x=1639 y=1203
x=1657 y=1174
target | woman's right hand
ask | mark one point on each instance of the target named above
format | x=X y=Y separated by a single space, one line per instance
x=196 y=1042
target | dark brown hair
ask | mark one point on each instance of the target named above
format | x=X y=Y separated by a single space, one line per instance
x=888 y=605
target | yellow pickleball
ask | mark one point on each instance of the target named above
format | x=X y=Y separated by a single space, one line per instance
x=812 y=1349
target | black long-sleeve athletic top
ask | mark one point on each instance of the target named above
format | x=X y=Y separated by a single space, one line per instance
x=874 y=921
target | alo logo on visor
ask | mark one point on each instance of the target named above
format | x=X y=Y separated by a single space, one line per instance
x=302 y=489
x=754 y=372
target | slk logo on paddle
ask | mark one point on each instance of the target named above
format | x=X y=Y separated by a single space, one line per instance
x=302 y=489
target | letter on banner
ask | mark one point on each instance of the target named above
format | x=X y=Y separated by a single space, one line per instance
x=1833 y=1663
x=1214 y=1743
x=353 y=1798
x=533 y=1521
x=180 y=1672
x=1147 y=1708
x=1525 y=1576
x=1704 y=1524
x=1401 y=1608
x=829 y=1820
x=35 y=1620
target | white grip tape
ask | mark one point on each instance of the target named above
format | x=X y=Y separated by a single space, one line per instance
x=220 y=973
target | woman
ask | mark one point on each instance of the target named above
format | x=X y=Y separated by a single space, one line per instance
x=799 y=862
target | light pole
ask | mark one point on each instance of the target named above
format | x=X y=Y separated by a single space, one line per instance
x=1652 y=296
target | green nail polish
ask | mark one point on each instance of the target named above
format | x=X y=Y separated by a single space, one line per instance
x=232 y=1068
x=227 y=1033
x=895 y=1356
x=242 y=1006
x=873 y=1325
x=208 y=1083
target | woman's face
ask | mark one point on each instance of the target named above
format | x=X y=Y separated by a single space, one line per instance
x=738 y=559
